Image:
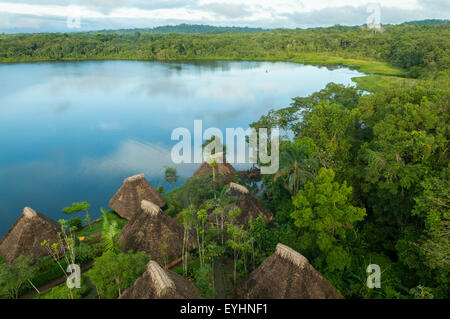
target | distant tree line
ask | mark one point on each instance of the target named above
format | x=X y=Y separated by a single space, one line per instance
x=422 y=50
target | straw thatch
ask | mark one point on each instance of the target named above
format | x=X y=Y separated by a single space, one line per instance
x=224 y=168
x=286 y=275
x=27 y=234
x=157 y=283
x=149 y=229
x=126 y=202
x=251 y=207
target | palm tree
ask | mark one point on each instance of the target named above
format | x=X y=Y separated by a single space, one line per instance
x=296 y=168
x=170 y=175
x=212 y=161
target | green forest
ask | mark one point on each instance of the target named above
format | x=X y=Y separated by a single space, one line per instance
x=363 y=179
x=411 y=50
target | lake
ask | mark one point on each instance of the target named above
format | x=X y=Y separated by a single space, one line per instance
x=73 y=131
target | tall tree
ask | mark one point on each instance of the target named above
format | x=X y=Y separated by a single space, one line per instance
x=324 y=215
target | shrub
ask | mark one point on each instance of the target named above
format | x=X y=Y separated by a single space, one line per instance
x=76 y=223
x=114 y=272
x=63 y=292
x=174 y=208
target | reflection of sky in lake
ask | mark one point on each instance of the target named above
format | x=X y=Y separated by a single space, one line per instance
x=73 y=131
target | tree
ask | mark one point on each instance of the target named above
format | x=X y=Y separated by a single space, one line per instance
x=187 y=217
x=14 y=276
x=296 y=168
x=433 y=205
x=202 y=216
x=79 y=207
x=113 y=272
x=323 y=215
x=64 y=248
x=170 y=175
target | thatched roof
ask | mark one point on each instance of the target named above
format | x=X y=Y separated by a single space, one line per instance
x=149 y=229
x=128 y=198
x=251 y=207
x=157 y=283
x=224 y=168
x=27 y=234
x=286 y=275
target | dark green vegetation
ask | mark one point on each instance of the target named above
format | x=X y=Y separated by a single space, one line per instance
x=83 y=246
x=382 y=193
x=363 y=181
x=418 y=50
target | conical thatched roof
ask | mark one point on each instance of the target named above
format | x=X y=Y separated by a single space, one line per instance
x=27 y=234
x=157 y=283
x=286 y=275
x=149 y=229
x=224 y=168
x=127 y=201
x=250 y=206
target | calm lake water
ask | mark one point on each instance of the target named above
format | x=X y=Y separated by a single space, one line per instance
x=73 y=131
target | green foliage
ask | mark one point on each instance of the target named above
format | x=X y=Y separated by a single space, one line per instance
x=75 y=223
x=84 y=253
x=420 y=49
x=77 y=207
x=197 y=190
x=110 y=232
x=324 y=215
x=203 y=282
x=170 y=175
x=46 y=270
x=63 y=292
x=296 y=167
x=97 y=226
x=174 y=207
x=421 y=292
x=113 y=272
x=433 y=205
x=15 y=276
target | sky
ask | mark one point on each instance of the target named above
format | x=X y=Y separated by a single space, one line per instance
x=83 y=15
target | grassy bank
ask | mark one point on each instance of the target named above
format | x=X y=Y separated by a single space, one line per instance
x=374 y=83
x=365 y=66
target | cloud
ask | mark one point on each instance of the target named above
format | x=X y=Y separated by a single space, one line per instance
x=436 y=5
x=132 y=157
x=228 y=10
x=51 y=15
x=351 y=15
x=108 y=126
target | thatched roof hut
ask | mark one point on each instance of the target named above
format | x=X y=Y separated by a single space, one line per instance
x=286 y=275
x=225 y=168
x=127 y=201
x=157 y=283
x=27 y=234
x=150 y=229
x=251 y=207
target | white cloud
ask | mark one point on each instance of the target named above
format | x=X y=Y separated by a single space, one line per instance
x=266 y=13
x=108 y=126
x=133 y=157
